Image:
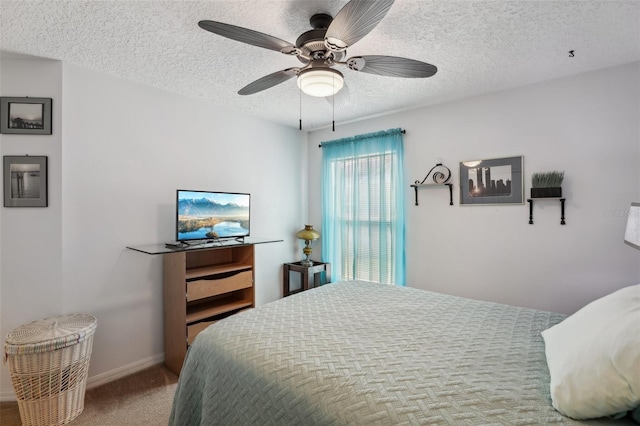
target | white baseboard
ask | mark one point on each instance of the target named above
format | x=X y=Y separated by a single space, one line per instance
x=118 y=373
x=106 y=377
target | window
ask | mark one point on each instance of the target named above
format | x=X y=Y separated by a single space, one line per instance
x=363 y=207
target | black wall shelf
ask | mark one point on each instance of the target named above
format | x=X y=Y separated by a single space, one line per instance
x=441 y=185
x=530 y=201
x=440 y=175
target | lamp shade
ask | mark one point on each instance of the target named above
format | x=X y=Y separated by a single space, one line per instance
x=308 y=233
x=632 y=234
x=320 y=82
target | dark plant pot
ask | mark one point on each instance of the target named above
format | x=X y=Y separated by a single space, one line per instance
x=555 y=192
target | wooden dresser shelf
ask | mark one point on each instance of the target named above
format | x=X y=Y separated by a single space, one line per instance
x=216 y=269
x=204 y=311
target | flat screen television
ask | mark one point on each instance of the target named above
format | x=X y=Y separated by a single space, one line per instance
x=199 y=214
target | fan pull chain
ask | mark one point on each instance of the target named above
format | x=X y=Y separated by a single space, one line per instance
x=300 y=124
x=333 y=104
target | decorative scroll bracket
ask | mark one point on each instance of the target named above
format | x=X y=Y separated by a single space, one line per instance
x=440 y=175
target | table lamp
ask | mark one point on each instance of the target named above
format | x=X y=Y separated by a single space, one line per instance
x=307 y=234
x=632 y=233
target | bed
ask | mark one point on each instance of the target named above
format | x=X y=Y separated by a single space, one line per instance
x=362 y=353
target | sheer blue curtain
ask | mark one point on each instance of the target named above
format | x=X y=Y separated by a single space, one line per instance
x=363 y=216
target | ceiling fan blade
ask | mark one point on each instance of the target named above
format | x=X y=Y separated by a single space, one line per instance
x=391 y=66
x=340 y=99
x=269 y=81
x=248 y=36
x=354 y=21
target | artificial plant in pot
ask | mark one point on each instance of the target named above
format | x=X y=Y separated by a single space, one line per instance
x=547 y=184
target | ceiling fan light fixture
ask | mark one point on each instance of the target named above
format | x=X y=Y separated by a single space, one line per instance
x=320 y=82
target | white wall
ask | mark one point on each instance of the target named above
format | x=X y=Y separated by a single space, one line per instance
x=31 y=237
x=587 y=125
x=119 y=152
x=30 y=255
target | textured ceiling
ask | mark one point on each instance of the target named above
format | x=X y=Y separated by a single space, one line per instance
x=478 y=46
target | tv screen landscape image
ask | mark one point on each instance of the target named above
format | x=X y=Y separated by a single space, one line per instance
x=201 y=213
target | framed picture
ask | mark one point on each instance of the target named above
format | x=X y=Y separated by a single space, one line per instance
x=25 y=181
x=25 y=116
x=494 y=181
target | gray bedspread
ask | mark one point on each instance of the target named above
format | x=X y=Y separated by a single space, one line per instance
x=361 y=353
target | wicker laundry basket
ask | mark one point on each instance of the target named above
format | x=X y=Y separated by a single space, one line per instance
x=48 y=362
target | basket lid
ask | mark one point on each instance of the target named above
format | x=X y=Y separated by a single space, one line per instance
x=50 y=334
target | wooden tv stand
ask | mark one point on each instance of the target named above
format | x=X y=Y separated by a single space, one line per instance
x=202 y=284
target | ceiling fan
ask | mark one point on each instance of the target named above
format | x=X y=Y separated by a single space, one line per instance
x=323 y=48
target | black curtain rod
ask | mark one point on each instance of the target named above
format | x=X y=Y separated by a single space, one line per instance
x=403 y=131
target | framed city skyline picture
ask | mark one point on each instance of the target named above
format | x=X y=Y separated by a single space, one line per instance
x=492 y=181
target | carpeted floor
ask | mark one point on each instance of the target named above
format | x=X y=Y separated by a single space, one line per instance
x=143 y=398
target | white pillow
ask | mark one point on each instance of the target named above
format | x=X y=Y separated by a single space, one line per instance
x=594 y=357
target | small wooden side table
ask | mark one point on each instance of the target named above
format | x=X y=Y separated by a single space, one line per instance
x=314 y=272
